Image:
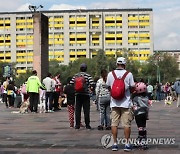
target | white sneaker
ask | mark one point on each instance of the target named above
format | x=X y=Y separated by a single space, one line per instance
x=50 y=111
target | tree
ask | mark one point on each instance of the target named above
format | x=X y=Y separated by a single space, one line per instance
x=161 y=65
x=168 y=68
x=101 y=62
x=19 y=80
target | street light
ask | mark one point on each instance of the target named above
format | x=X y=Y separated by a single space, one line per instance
x=34 y=8
x=158 y=76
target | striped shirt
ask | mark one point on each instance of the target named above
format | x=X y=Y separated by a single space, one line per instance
x=89 y=82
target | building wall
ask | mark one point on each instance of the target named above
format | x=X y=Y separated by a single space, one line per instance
x=78 y=34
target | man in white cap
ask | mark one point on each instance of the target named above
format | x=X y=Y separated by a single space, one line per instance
x=121 y=109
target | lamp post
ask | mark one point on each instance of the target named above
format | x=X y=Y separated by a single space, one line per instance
x=40 y=41
x=158 y=76
x=34 y=8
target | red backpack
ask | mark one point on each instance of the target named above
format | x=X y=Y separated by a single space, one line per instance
x=118 y=87
x=79 y=83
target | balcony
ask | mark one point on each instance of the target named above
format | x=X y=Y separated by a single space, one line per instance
x=133 y=41
x=58 y=53
x=21 y=54
x=109 y=18
x=20 y=21
x=110 y=24
x=110 y=52
x=81 y=52
x=133 y=18
x=133 y=23
x=21 y=71
x=144 y=24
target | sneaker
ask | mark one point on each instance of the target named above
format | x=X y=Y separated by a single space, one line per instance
x=50 y=111
x=127 y=147
x=145 y=147
x=77 y=127
x=108 y=128
x=138 y=141
x=100 y=127
x=114 y=147
x=88 y=127
x=81 y=125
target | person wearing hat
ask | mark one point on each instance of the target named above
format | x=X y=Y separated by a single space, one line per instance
x=121 y=109
x=33 y=85
x=82 y=97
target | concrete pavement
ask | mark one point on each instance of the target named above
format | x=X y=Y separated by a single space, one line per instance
x=50 y=132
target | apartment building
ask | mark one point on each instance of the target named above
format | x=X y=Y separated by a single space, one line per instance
x=77 y=34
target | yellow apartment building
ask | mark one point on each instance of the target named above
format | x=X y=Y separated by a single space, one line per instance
x=75 y=34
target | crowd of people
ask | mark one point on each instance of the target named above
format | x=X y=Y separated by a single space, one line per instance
x=119 y=99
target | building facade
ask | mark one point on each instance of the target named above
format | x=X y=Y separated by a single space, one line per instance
x=77 y=34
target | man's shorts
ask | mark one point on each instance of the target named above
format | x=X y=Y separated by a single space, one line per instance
x=125 y=115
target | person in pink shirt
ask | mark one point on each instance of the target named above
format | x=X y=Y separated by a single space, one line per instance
x=57 y=91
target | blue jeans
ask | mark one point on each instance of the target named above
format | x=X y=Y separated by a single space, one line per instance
x=49 y=100
x=158 y=95
x=105 y=114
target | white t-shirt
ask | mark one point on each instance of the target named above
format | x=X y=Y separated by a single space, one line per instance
x=129 y=82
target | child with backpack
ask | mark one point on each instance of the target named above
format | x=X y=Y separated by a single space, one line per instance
x=70 y=95
x=141 y=109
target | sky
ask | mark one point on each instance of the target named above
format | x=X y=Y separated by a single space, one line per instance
x=166 y=14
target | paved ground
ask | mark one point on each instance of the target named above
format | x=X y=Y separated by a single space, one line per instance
x=50 y=132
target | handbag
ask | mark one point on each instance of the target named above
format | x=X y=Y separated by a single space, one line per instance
x=104 y=100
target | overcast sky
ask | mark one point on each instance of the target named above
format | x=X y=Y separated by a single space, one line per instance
x=166 y=14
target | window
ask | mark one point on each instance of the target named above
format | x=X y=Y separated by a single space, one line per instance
x=81 y=39
x=81 y=22
x=7 y=24
x=95 y=22
x=109 y=21
x=7 y=41
x=72 y=39
x=71 y=22
x=110 y=38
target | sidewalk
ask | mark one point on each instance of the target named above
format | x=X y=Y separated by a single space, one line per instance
x=50 y=133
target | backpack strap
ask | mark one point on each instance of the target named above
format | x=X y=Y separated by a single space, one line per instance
x=114 y=75
x=124 y=76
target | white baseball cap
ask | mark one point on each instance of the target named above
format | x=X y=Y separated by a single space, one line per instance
x=121 y=60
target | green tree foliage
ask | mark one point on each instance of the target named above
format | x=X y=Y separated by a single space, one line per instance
x=167 y=65
x=135 y=67
x=141 y=70
x=19 y=80
x=101 y=62
x=168 y=68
